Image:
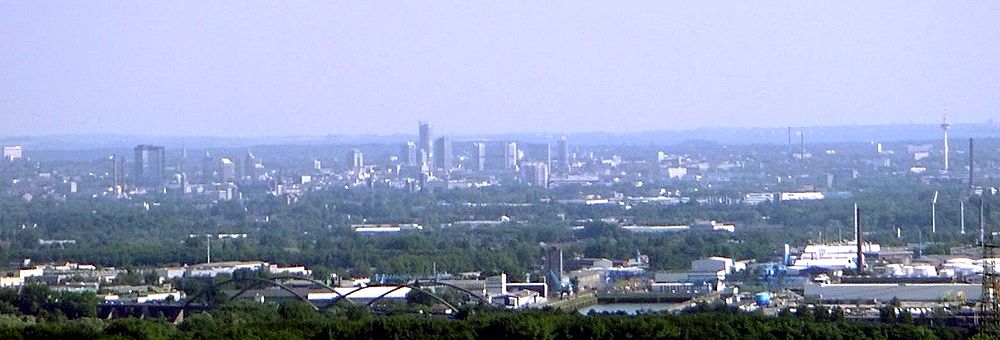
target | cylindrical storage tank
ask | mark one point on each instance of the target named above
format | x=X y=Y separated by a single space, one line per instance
x=762 y=298
x=968 y=270
x=907 y=271
x=895 y=270
x=924 y=271
x=964 y=260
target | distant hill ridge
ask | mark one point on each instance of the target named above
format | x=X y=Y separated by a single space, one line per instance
x=749 y=135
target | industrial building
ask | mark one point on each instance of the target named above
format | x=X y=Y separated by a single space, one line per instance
x=385 y=228
x=830 y=257
x=927 y=292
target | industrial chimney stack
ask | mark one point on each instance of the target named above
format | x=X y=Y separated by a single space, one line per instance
x=971 y=164
x=944 y=127
x=857 y=237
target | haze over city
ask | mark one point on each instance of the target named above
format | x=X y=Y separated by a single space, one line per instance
x=522 y=170
x=264 y=69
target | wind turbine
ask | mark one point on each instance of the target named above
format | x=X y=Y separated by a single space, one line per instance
x=934 y=213
x=962 y=208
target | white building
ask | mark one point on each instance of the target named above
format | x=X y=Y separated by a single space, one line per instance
x=216 y=268
x=164 y=296
x=11 y=153
x=294 y=270
x=677 y=172
x=385 y=228
x=755 y=198
x=655 y=228
x=801 y=196
x=518 y=300
x=713 y=264
x=360 y=294
x=834 y=257
x=171 y=272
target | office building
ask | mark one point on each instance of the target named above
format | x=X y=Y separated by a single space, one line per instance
x=227 y=169
x=535 y=174
x=408 y=154
x=208 y=168
x=442 y=155
x=355 y=160
x=424 y=161
x=12 y=153
x=117 y=171
x=150 y=166
x=535 y=152
x=425 y=142
x=253 y=167
x=499 y=156
x=510 y=156
x=183 y=162
x=479 y=156
x=562 y=157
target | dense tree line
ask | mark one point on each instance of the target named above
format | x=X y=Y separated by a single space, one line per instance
x=37 y=300
x=35 y=311
x=293 y=320
x=316 y=232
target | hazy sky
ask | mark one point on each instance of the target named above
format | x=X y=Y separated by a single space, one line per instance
x=244 y=68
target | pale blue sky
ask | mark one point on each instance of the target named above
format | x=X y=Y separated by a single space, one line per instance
x=234 y=68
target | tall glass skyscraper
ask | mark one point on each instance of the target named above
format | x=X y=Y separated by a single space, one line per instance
x=150 y=166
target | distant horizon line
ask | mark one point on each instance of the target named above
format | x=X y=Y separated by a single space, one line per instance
x=534 y=133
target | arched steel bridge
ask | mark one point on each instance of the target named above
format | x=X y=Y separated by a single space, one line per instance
x=274 y=281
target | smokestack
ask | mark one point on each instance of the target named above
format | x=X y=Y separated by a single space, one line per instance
x=208 y=246
x=802 y=144
x=944 y=127
x=857 y=237
x=962 y=216
x=982 y=220
x=790 y=152
x=971 y=163
x=786 y=259
x=920 y=242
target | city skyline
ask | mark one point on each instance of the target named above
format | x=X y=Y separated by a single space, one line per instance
x=226 y=70
x=688 y=169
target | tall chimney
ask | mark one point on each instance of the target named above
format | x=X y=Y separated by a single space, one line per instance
x=982 y=220
x=971 y=164
x=786 y=259
x=790 y=152
x=944 y=127
x=858 y=238
x=802 y=144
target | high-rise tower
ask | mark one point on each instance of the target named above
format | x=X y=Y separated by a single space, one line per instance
x=510 y=156
x=562 y=158
x=535 y=174
x=118 y=171
x=355 y=160
x=425 y=141
x=442 y=155
x=479 y=156
x=408 y=154
x=150 y=166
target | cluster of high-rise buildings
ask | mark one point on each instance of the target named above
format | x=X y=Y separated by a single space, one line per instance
x=149 y=172
x=427 y=159
x=530 y=163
